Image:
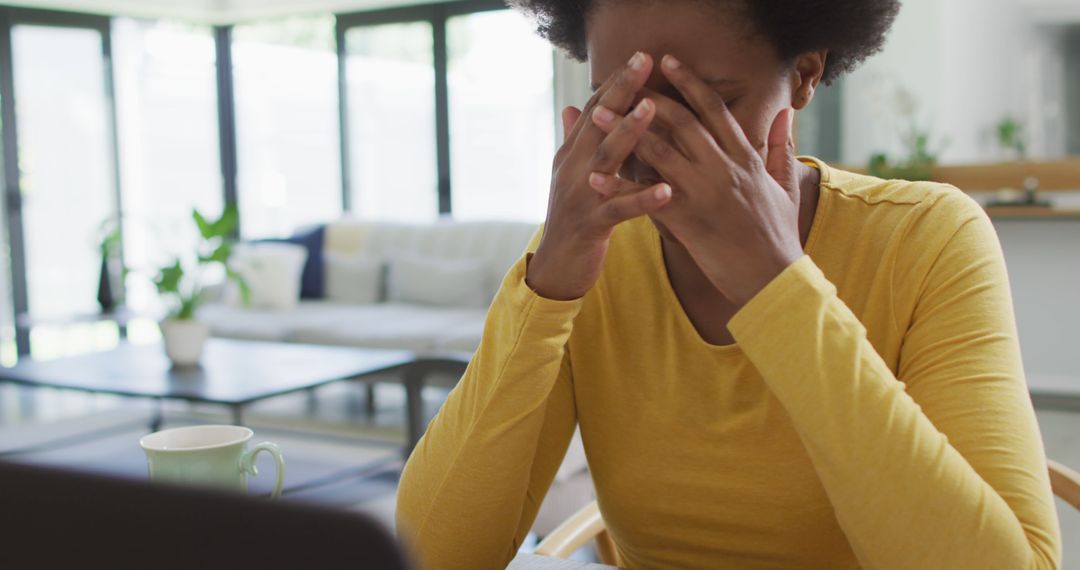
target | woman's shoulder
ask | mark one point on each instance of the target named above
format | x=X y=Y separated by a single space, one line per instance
x=945 y=205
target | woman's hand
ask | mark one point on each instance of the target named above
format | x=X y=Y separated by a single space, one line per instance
x=735 y=212
x=580 y=221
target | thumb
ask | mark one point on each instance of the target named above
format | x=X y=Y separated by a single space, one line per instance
x=570 y=116
x=780 y=161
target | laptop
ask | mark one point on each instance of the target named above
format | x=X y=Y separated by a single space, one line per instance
x=51 y=518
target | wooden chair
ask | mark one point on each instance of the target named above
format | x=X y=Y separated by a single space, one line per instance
x=576 y=532
x=1065 y=482
x=588 y=524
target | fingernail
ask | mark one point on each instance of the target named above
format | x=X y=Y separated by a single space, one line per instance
x=662 y=192
x=597 y=180
x=637 y=62
x=642 y=109
x=671 y=63
x=603 y=114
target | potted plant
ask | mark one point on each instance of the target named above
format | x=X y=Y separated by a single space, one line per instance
x=181 y=285
x=1010 y=138
x=917 y=165
x=111 y=279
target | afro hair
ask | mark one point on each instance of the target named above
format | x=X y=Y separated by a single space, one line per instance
x=851 y=30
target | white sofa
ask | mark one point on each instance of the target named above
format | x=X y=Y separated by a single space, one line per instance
x=420 y=327
x=423 y=328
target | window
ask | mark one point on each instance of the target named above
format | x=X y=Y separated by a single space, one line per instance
x=167 y=114
x=390 y=73
x=502 y=123
x=450 y=110
x=289 y=172
x=66 y=163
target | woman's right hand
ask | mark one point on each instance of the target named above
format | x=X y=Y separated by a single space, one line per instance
x=580 y=220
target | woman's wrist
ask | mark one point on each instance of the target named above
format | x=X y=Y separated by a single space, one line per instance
x=546 y=283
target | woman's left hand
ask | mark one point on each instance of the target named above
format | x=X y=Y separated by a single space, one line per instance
x=736 y=212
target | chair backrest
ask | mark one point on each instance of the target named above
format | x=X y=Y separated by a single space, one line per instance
x=585 y=525
x=588 y=523
x=1065 y=483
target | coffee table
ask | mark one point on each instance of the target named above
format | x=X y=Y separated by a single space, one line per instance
x=233 y=373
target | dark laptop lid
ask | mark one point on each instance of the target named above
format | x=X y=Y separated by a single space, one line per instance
x=62 y=519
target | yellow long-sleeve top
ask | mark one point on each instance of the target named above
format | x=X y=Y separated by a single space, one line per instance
x=872 y=413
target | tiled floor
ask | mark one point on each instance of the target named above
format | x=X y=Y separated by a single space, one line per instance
x=340 y=408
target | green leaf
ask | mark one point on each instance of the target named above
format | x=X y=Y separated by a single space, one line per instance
x=241 y=283
x=206 y=229
x=220 y=255
x=168 y=279
x=228 y=221
x=188 y=305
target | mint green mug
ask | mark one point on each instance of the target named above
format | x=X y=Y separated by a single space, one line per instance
x=213 y=456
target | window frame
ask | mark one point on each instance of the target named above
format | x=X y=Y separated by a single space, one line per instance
x=437 y=16
x=9 y=18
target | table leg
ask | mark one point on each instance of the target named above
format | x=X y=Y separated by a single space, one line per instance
x=414 y=402
x=158 y=416
x=369 y=402
x=312 y=401
x=238 y=415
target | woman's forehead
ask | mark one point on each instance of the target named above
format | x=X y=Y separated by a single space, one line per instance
x=716 y=43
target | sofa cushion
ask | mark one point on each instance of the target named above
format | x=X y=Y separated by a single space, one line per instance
x=355 y=279
x=312 y=280
x=429 y=280
x=386 y=325
x=498 y=244
x=272 y=272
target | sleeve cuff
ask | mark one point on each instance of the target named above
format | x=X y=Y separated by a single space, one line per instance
x=774 y=305
x=519 y=294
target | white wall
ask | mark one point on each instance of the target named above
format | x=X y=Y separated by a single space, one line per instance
x=1044 y=271
x=967 y=64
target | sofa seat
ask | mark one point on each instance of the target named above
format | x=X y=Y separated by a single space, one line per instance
x=392 y=325
x=419 y=328
x=231 y=321
x=462 y=337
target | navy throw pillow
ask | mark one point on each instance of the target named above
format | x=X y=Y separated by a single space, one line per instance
x=312 y=281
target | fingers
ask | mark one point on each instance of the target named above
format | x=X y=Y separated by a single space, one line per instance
x=780 y=160
x=628 y=206
x=665 y=158
x=608 y=185
x=623 y=135
x=571 y=134
x=709 y=105
x=618 y=97
x=689 y=134
x=570 y=117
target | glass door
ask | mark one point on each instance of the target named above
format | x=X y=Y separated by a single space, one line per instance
x=389 y=72
x=502 y=117
x=66 y=178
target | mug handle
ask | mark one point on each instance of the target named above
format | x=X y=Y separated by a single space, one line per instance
x=247 y=464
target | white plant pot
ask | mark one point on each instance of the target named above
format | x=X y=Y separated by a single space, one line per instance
x=184 y=340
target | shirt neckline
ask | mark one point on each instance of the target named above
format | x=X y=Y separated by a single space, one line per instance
x=657 y=254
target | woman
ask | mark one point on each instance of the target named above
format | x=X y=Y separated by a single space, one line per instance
x=773 y=363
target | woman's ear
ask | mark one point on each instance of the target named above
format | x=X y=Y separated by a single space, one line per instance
x=805 y=77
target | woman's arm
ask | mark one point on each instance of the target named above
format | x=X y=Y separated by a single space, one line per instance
x=472 y=487
x=943 y=467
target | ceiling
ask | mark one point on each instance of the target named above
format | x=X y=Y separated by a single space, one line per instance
x=228 y=11
x=212 y=11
